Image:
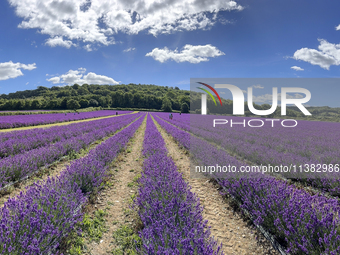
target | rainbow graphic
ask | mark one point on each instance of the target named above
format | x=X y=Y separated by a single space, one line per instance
x=208 y=92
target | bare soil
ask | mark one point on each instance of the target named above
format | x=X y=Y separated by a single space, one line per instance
x=228 y=226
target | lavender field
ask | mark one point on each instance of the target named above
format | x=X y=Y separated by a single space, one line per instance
x=307 y=223
x=310 y=143
x=15 y=121
x=120 y=188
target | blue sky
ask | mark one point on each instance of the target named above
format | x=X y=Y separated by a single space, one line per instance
x=54 y=43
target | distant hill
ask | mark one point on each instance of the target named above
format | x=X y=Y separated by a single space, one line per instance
x=116 y=96
x=139 y=96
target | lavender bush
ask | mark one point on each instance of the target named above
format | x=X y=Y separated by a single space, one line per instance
x=170 y=212
x=35 y=221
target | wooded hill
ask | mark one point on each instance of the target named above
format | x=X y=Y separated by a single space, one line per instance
x=138 y=96
x=113 y=96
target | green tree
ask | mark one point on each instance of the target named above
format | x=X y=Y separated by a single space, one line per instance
x=128 y=100
x=63 y=104
x=53 y=104
x=36 y=104
x=184 y=108
x=93 y=103
x=114 y=99
x=73 y=104
x=64 y=93
x=84 y=103
x=171 y=94
x=159 y=94
x=73 y=92
x=103 y=102
x=75 y=86
x=184 y=99
x=175 y=105
x=82 y=90
x=108 y=101
x=166 y=105
x=28 y=104
x=20 y=104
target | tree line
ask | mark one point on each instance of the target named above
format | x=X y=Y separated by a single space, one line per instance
x=106 y=96
x=138 y=96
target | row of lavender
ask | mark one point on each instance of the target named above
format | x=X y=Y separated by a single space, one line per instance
x=309 y=143
x=15 y=121
x=15 y=167
x=20 y=141
x=306 y=224
x=170 y=212
x=35 y=222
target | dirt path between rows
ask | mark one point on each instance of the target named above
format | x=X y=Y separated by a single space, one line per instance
x=115 y=200
x=62 y=123
x=227 y=226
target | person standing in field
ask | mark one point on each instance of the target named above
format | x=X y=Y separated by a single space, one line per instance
x=169 y=116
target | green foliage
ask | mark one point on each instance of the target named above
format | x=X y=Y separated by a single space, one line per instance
x=72 y=104
x=94 y=227
x=185 y=108
x=126 y=241
x=134 y=181
x=36 y=104
x=166 y=105
x=84 y=103
x=93 y=103
x=136 y=96
x=76 y=244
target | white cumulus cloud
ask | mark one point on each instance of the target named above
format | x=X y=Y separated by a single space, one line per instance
x=54 y=80
x=189 y=53
x=297 y=68
x=78 y=76
x=337 y=28
x=10 y=70
x=96 y=21
x=59 y=41
x=327 y=54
